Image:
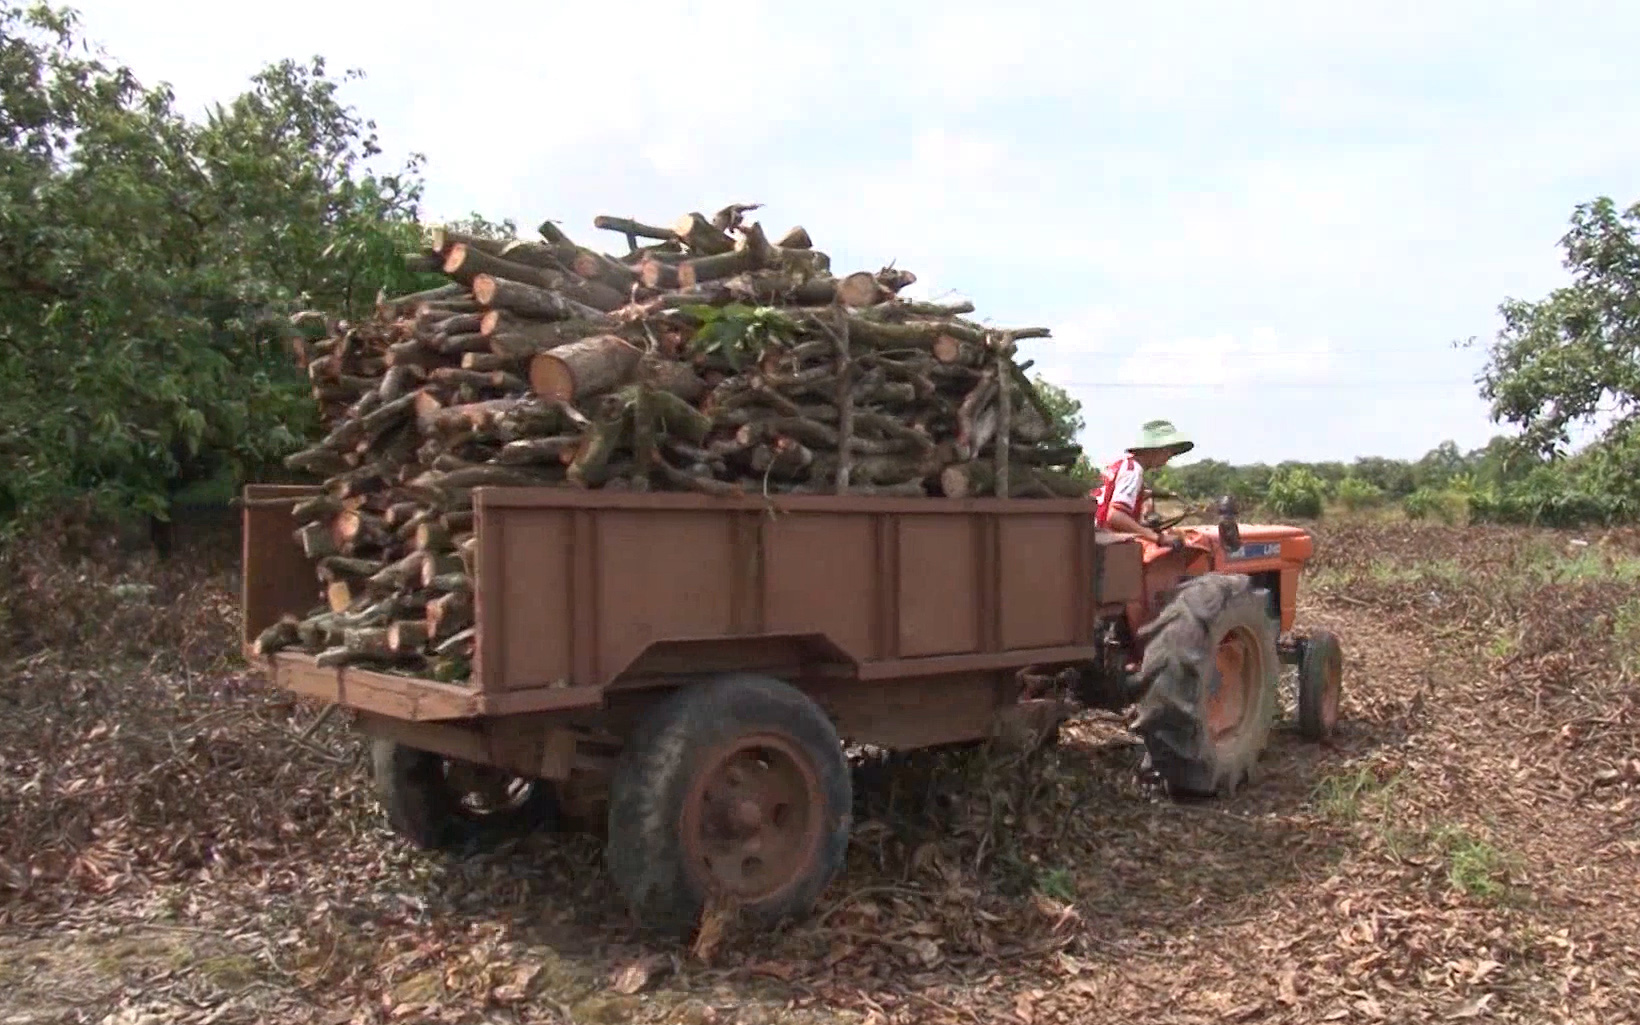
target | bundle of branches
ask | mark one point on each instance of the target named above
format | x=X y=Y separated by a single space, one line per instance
x=707 y=359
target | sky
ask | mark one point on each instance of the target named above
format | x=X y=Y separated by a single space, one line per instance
x=1266 y=222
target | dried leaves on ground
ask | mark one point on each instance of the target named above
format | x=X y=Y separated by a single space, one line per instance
x=176 y=846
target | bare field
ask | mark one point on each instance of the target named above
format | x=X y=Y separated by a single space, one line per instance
x=175 y=847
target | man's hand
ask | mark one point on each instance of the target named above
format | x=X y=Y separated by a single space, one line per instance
x=1168 y=539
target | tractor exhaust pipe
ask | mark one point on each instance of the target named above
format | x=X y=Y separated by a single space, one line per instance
x=1229 y=530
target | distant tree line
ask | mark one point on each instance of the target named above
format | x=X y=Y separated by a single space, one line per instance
x=1501 y=482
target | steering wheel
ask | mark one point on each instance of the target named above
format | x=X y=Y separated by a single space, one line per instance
x=1155 y=522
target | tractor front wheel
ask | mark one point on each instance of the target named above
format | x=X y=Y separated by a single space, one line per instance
x=1210 y=675
x=1320 y=686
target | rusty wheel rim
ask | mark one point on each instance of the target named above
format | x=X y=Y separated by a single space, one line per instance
x=1238 y=663
x=484 y=790
x=750 y=824
x=1332 y=689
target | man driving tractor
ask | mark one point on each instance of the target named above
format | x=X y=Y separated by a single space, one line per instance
x=1121 y=496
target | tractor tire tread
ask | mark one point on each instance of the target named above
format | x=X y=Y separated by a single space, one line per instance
x=644 y=852
x=1177 y=670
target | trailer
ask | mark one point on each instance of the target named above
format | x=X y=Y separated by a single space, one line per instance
x=687 y=668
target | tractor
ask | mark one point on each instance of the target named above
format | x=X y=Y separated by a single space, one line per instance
x=1199 y=651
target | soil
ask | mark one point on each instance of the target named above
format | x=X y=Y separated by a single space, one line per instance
x=173 y=849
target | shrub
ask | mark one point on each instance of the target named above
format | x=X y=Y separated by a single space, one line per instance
x=1296 y=491
x=1444 y=505
x=1356 y=494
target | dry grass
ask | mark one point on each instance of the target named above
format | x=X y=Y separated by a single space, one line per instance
x=1466 y=850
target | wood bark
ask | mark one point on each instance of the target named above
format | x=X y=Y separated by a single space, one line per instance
x=584 y=368
x=700 y=235
x=528 y=299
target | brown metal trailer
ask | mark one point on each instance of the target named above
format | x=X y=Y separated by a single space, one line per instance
x=692 y=665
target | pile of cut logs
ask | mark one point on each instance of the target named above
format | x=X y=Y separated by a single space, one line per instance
x=708 y=359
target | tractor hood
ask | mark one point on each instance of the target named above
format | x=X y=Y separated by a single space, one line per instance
x=1291 y=544
x=1268 y=532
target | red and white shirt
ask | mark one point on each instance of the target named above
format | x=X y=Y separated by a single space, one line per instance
x=1121 y=486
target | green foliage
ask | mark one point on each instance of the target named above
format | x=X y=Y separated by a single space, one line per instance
x=1067 y=421
x=1355 y=494
x=1210 y=478
x=1296 y=491
x=147 y=263
x=1558 y=361
x=1444 y=505
x=738 y=333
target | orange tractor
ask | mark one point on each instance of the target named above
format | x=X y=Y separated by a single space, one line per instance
x=1200 y=650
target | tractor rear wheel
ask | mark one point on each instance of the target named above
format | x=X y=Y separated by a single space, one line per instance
x=1210 y=674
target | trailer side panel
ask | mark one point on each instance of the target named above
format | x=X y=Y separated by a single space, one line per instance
x=578 y=589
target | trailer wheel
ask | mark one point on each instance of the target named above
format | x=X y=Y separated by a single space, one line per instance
x=733 y=789
x=1320 y=686
x=442 y=803
x=1211 y=679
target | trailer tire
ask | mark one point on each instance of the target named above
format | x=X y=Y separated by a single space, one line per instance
x=735 y=788
x=1211 y=677
x=426 y=807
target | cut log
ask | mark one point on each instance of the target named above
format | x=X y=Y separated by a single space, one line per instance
x=370 y=642
x=862 y=289
x=677 y=419
x=527 y=299
x=461 y=640
x=466 y=264
x=590 y=466
x=479 y=380
x=753 y=254
x=434 y=567
x=276 y=637
x=315 y=539
x=544 y=451
x=673 y=377
x=456 y=345
x=584 y=368
x=695 y=231
x=407 y=637
x=729 y=218
x=319 y=460
x=339 y=595
x=441 y=239
x=396 y=576
x=468 y=416
x=795 y=238
x=392 y=309
x=631 y=228
x=315 y=508
x=341 y=567
x=488 y=362
x=536 y=338
x=431 y=537
x=449 y=614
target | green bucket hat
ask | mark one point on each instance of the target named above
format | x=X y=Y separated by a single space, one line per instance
x=1160 y=434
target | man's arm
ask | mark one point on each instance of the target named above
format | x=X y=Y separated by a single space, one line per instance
x=1124 y=522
